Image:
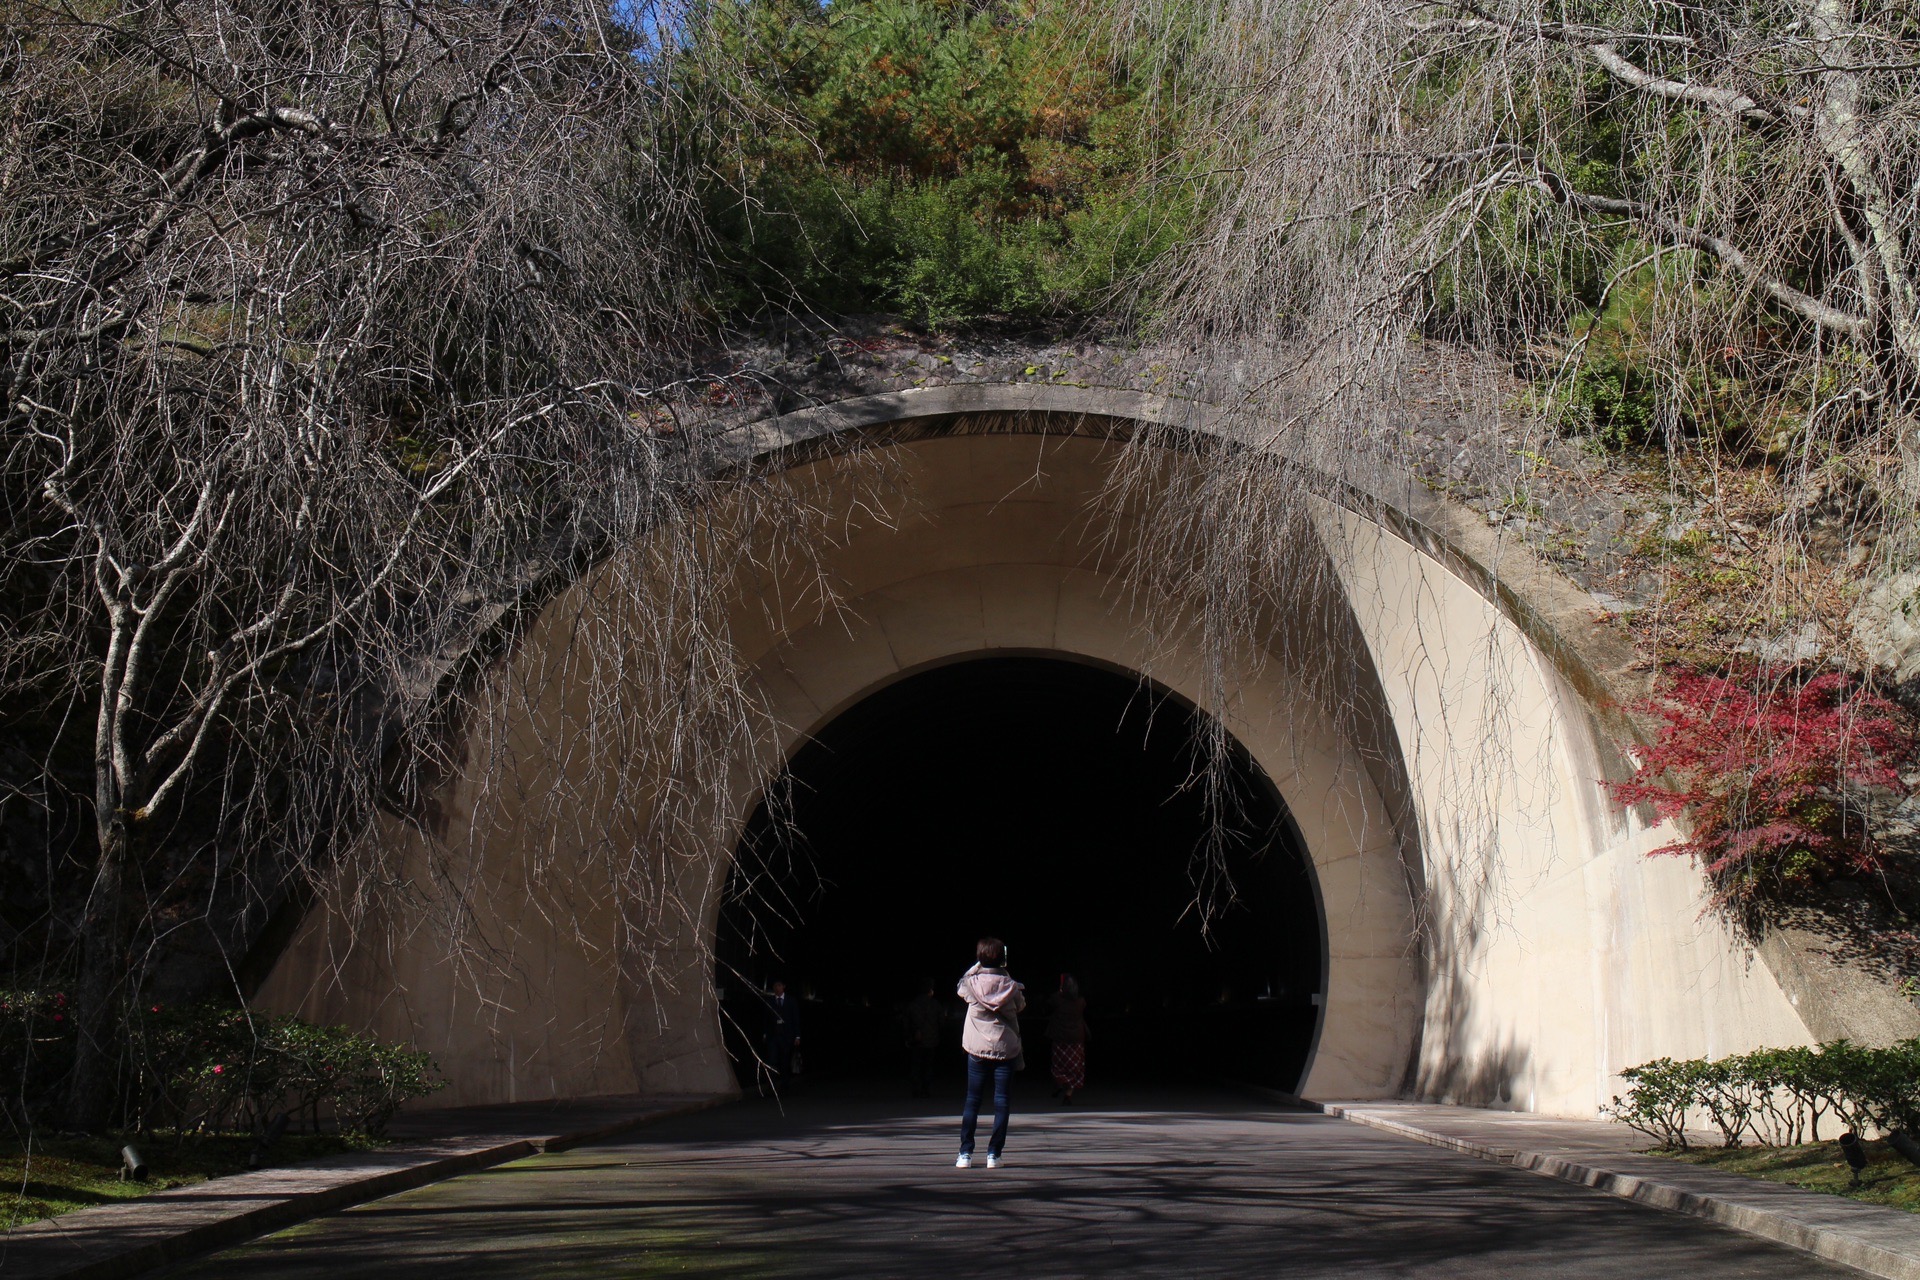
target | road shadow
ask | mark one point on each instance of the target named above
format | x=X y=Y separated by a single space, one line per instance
x=1143 y=1183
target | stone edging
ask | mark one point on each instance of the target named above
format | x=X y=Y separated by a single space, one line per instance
x=1591 y=1171
x=91 y=1245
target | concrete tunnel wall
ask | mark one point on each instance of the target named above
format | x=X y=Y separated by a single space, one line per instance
x=1495 y=933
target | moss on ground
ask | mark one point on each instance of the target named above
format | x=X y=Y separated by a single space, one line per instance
x=1818 y=1166
x=59 y=1175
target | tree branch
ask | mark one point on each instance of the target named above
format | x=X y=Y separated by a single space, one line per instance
x=1802 y=304
x=197 y=718
x=1603 y=47
x=1729 y=100
x=1837 y=128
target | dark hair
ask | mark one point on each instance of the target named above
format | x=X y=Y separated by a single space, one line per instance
x=991 y=952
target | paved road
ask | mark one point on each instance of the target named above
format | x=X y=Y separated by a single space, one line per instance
x=1151 y=1184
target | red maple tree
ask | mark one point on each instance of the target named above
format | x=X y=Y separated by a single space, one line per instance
x=1767 y=768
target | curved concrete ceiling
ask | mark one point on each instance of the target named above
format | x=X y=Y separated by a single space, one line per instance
x=1554 y=614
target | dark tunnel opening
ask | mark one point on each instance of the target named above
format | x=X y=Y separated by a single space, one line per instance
x=1051 y=803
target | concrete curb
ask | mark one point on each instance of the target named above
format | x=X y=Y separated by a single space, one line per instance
x=1732 y=1207
x=114 y=1242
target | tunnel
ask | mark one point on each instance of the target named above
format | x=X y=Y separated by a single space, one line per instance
x=944 y=702
x=1056 y=804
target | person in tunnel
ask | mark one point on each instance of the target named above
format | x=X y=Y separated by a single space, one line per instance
x=1067 y=1032
x=783 y=1032
x=923 y=1018
x=991 y=1038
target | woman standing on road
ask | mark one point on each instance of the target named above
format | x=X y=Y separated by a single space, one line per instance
x=991 y=1038
x=1067 y=1030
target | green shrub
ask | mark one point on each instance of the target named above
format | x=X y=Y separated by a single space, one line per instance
x=363 y=1080
x=1790 y=1093
x=1886 y=1086
x=1775 y=1096
x=1662 y=1093
x=212 y=1069
x=194 y=1067
x=1726 y=1094
x=200 y=1067
x=1840 y=1073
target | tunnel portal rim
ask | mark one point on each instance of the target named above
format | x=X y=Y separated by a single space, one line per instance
x=1554 y=615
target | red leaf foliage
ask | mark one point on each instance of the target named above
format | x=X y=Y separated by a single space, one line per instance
x=1768 y=770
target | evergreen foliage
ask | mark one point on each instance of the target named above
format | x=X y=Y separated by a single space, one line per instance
x=946 y=161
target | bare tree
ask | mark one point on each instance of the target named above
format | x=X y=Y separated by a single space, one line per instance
x=1382 y=177
x=321 y=326
x=1480 y=187
x=1382 y=170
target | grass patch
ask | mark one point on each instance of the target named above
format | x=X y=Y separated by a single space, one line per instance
x=65 y=1173
x=1817 y=1166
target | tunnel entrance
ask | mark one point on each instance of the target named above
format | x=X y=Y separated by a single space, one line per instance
x=1052 y=803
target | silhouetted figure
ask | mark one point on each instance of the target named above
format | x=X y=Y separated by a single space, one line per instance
x=991 y=1038
x=1067 y=1031
x=783 y=1032
x=924 y=1017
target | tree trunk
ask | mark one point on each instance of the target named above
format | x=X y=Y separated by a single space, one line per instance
x=98 y=997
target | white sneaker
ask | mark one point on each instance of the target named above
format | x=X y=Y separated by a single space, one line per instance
x=993 y=1161
x=964 y=1162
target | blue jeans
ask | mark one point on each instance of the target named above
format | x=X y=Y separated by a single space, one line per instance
x=978 y=1069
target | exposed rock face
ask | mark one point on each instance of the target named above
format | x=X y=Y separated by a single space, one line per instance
x=1839 y=997
x=1886 y=625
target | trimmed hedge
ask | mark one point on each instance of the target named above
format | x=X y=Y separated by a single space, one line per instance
x=1776 y=1097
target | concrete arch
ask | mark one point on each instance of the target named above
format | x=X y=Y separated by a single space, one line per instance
x=1495 y=932
x=1371 y=1000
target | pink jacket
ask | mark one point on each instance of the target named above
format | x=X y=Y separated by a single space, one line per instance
x=992 y=1028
